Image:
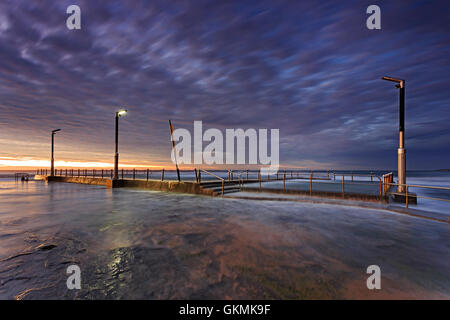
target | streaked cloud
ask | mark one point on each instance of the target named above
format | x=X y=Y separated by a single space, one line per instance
x=310 y=68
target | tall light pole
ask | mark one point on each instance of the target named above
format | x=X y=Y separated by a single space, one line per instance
x=401 y=149
x=116 y=154
x=52 y=160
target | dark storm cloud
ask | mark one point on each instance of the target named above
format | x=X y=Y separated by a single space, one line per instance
x=310 y=68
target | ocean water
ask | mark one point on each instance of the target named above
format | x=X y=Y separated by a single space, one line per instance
x=140 y=244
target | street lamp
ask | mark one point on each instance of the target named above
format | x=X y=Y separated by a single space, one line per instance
x=401 y=149
x=116 y=155
x=52 y=161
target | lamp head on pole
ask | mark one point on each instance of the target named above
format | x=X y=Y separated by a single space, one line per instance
x=400 y=82
x=121 y=112
x=56 y=130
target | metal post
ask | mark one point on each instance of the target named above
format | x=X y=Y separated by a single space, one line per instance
x=147 y=174
x=381 y=189
x=259 y=178
x=116 y=150
x=122 y=174
x=284 y=181
x=247 y=175
x=52 y=165
x=343 y=190
x=406 y=192
x=134 y=174
x=223 y=187
x=162 y=175
x=310 y=184
x=401 y=150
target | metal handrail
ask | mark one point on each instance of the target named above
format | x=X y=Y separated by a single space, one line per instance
x=418 y=186
x=406 y=193
x=214 y=175
x=357 y=175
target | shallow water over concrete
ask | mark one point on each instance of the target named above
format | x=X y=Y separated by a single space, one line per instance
x=134 y=244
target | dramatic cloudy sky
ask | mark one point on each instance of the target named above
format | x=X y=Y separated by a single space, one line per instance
x=310 y=68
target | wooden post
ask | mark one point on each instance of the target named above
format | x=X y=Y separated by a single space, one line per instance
x=284 y=181
x=122 y=174
x=162 y=175
x=223 y=187
x=343 y=190
x=147 y=174
x=134 y=174
x=102 y=173
x=247 y=175
x=310 y=184
x=174 y=148
x=199 y=176
x=196 y=175
x=352 y=176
